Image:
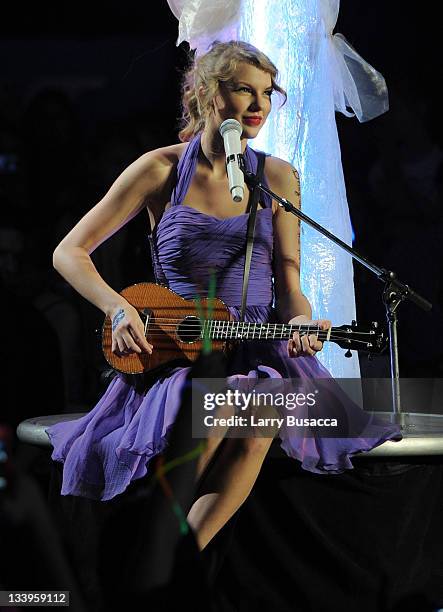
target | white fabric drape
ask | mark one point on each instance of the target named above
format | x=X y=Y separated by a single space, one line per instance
x=203 y=21
x=321 y=73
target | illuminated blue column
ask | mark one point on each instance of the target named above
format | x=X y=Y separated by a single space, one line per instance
x=296 y=35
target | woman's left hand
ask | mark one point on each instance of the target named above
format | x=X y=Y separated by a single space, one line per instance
x=306 y=346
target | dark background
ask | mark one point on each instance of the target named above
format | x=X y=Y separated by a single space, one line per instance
x=85 y=90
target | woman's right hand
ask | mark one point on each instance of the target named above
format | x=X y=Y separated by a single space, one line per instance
x=128 y=334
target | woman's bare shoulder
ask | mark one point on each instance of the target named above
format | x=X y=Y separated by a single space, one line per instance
x=163 y=157
x=283 y=179
x=161 y=165
x=156 y=169
x=279 y=169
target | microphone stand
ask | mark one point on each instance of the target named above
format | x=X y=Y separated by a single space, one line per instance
x=394 y=292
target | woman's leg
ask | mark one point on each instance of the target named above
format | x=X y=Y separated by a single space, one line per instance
x=212 y=443
x=227 y=485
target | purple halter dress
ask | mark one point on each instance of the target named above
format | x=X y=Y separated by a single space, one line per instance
x=112 y=444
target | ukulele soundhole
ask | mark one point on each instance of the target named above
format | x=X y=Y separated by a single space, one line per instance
x=189 y=330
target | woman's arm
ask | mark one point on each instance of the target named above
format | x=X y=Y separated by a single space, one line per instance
x=291 y=305
x=144 y=181
x=289 y=299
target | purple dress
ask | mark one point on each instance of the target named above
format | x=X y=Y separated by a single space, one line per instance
x=112 y=444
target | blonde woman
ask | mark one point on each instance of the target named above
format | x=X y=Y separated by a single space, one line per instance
x=196 y=227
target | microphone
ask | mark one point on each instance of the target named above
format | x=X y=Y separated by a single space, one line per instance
x=231 y=130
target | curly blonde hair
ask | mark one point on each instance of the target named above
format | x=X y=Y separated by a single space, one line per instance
x=217 y=65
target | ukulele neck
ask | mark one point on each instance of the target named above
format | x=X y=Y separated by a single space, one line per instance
x=241 y=330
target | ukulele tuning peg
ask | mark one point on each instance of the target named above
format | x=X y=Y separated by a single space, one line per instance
x=348 y=353
x=354 y=323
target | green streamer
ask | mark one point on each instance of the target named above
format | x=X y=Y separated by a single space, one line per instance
x=207 y=342
x=195 y=452
x=184 y=527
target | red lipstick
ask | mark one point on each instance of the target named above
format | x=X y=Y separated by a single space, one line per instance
x=252 y=120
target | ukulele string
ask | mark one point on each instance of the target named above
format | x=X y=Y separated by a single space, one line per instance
x=172 y=322
x=320 y=336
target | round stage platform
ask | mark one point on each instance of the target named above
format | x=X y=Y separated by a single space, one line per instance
x=422 y=434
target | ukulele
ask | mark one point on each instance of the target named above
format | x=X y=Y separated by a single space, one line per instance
x=176 y=330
